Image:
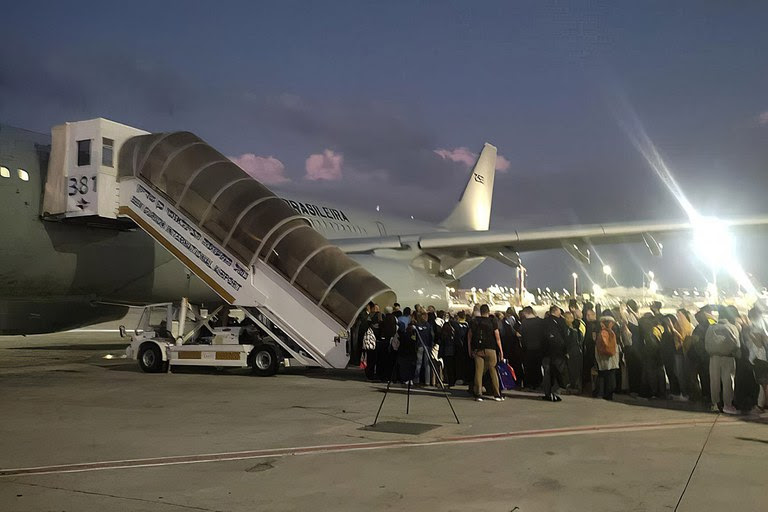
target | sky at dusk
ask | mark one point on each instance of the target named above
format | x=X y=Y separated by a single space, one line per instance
x=386 y=102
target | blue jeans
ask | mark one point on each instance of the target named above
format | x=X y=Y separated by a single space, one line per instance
x=422 y=359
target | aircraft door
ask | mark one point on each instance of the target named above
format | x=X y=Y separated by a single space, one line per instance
x=382 y=229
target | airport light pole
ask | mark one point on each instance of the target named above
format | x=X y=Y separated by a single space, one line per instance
x=575 y=277
x=607 y=271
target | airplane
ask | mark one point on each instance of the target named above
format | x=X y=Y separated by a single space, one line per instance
x=57 y=276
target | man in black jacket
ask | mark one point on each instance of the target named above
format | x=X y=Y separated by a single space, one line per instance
x=532 y=337
x=484 y=341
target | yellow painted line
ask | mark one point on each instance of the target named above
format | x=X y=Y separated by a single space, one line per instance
x=124 y=210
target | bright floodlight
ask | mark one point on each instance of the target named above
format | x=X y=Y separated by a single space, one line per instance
x=596 y=289
x=653 y=287
x=575 y=275
x=607 y=270
x=712 y=242
x=651 y=274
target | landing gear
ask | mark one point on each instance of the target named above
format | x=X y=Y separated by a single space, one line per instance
x=264 y=362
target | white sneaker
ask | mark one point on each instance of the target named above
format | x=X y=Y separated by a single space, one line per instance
x=497 y=399
x=478 y=399
x=729 y=409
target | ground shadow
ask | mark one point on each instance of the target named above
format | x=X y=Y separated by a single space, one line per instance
x=401 y=427
x=80 y=346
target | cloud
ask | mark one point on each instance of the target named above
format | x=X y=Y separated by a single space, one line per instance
x=762 y=119
x=462 y=155
x=268 y=170
x=465 y=156
x=502 y=163
x=324 y=166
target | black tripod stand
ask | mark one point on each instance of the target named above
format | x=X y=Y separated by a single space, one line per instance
x=408 y=394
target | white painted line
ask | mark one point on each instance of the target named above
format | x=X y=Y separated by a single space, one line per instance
x=344 y=448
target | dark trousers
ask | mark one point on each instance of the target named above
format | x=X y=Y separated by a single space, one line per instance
x=668 y=357
x=654 y=383
x=606 y=383
x=383 y=364
x=745 y=388
x=634 y=360
x=555 y=368
x=575 y=364
x=406 y=367
x=515 y=360
x=450 y=370
x=532 y=366
x=698 y=373
x=370 y=362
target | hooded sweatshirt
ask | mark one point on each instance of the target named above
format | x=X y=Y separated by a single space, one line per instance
x=608 y=362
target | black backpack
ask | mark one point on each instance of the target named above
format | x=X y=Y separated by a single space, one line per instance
x=483 y=339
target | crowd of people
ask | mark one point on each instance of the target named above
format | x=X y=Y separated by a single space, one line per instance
x=715 y=357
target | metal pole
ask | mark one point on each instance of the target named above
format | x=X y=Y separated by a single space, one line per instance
x=408 y=399
x=386 y=392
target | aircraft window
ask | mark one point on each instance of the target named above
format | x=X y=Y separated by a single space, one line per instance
x=23 y=175
x=4 y=172
x=83 y=152
x=107 y=151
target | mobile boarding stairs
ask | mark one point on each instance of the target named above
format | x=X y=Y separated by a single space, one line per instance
x=248 y=245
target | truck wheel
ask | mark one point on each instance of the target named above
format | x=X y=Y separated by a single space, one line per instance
x=264 y=361
x=150 y=358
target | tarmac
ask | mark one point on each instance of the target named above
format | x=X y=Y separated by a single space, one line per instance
x=81 y=431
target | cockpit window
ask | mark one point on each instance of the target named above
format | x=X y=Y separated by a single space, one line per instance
x=83 y=152
x=23 y=175
x=107 y=150
x=5 y=172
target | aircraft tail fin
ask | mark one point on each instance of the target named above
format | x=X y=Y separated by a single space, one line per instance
x=473 y=211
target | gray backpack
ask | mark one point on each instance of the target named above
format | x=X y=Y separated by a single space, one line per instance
x=722 y=339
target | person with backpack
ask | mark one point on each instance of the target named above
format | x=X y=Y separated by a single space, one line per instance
x=554 y=362
x=723 y=346
x=483 y=341
x=607 y=355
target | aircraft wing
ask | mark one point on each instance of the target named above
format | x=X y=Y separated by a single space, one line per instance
x=575 y=239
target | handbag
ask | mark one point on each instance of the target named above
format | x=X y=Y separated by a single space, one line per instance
x=369 y=340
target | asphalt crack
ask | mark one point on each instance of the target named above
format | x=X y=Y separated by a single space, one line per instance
x=116 y=496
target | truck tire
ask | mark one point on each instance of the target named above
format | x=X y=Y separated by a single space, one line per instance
x=264 y=362
x=150 y=358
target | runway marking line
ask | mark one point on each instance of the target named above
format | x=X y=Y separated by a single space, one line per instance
x=351 y=447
